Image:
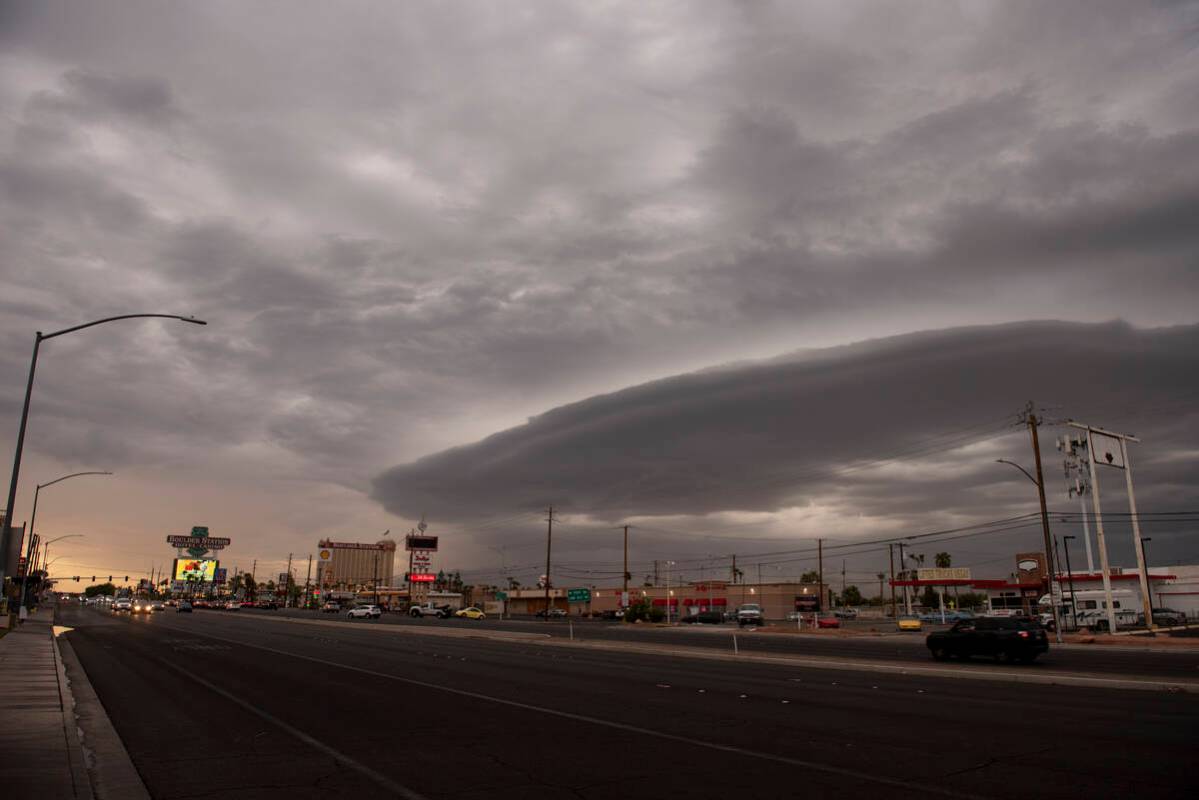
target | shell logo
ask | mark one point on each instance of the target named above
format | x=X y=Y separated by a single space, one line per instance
x=1028 y=565
x=325 y=554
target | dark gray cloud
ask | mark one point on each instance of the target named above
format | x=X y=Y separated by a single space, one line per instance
x=413 y=226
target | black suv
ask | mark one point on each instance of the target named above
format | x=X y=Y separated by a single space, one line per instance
x=1004 y=638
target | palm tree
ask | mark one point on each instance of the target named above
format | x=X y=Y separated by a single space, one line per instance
x=943 y=560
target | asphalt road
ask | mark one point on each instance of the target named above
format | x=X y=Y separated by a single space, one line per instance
x=213 y=703
x=890 y=647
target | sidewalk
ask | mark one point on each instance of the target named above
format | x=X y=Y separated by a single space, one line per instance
x=40 y=754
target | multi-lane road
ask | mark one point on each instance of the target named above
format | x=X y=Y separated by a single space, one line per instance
x=257 y=704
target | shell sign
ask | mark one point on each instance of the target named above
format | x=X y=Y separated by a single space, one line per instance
x=325 y=554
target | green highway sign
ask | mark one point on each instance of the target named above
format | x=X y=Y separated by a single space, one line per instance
x=501 y=595
x=578 y=595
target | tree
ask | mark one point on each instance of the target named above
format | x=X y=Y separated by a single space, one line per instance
x=251 y=585
x=930 y=598
x=852 y=596
x=811 y=576
x=513 y=584
x=943 y=560
x=100 y=588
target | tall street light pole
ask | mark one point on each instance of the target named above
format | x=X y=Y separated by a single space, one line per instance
x=1145 y=560
x=6 y=532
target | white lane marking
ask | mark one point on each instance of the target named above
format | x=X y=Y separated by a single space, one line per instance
x=621 y=726
x=379 y=778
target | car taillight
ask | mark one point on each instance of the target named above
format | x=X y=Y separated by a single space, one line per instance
x=1023 y=634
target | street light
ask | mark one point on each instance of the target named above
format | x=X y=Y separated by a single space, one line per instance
x=1070 y=577
x=1057 y=625
x=6 y=531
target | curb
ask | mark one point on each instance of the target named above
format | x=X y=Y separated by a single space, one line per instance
x=75 y=752
x=113 y=775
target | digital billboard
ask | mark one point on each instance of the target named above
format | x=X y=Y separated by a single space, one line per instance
x=195 y=569
x=421 y=542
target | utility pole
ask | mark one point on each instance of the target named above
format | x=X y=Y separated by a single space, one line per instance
x=891 y=558
x=907 y=601
x=842 y=581
x=308 y=583
x=733 y=572
x=1049 y=560
x=655 y=572
x=625 y=575
x=820 y=572
x=549 y=534
x=287 y=584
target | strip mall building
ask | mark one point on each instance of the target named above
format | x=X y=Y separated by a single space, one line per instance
x=777 y=599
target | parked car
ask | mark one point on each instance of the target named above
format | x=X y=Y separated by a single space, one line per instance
x=269 y=604
x=617 y=613
x=553 y=612
x=183 y=607
x=368 y=611
x=1164 y=616
x=1004 y=638
x=846 y=613
x=909 y=622
x=705 y=617
x=750 y=614
x=332 y=607
x=827 y=621
x=470 y=612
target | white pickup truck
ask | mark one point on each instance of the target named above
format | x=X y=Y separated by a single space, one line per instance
x=430 y=610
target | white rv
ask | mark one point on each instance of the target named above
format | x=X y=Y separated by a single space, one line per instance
x=1092 y=607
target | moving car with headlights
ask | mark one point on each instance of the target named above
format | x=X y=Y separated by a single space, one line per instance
x=157 y=605
x=909 y=622
x=470 y=612
x=183 y=607
x=332 y=607
x=140 y=606
x=123 y=604
x=360 y=612
x=1006 y=639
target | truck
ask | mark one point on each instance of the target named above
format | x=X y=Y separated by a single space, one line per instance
x=430 y=610
x=750 y=614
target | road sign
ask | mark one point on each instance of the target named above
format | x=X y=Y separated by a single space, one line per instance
x=578 y=595
x=501 y=595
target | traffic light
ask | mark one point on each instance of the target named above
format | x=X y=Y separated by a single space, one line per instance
x=76 y=579
x=126 y=579
x=110 y=579
x=93 y=579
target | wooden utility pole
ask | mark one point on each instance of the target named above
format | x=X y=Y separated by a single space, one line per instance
x=549 y=534
x=287 y=584
x=891 y=558
x=308 y=583
x=1049 y=561
x=820 y=571
x=625 y=575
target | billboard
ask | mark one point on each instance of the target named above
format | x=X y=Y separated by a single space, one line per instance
x=807 y=603
x=1030 y=567
x=195 y=569
x=943 y=574
x=422 y=542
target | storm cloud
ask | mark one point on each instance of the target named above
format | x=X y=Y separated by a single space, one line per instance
x=412 y=226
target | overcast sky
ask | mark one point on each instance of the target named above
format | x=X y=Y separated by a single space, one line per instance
x=638 y=261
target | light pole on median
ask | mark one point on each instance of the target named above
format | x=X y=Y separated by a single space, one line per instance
x=6 y=531
x=1145 y=561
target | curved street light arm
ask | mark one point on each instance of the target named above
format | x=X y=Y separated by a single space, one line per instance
x=192 y=320
x=72 y=475
x=1017 y=466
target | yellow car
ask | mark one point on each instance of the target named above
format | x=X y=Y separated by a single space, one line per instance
x=909 y=623
x=470 y=613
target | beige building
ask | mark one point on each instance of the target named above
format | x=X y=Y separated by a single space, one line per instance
x=351 y=564
x=777 y=599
